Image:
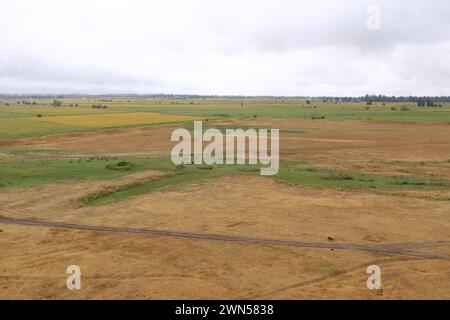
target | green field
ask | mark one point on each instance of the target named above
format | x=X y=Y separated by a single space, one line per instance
x=19 y=121
x=25 y=167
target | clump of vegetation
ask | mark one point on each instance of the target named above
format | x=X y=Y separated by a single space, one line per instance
x=205 y=167
x=121 y=166
x=426 y=103
x=249 y=170
x=393 y=109
x=99 y=106
x=317 y=117
x=57 y=103
x=39 y=115
x=337 y=176
x=403 y=108
x=180 y=167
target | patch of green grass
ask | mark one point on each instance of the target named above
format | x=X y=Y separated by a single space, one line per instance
x=181 y=177
x=121 y=166
x=36 y=172
x=24 y=173
x=318 y=177
x=14 y=124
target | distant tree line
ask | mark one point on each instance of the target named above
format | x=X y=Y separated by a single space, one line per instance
x=108 y=98
x=415 y=99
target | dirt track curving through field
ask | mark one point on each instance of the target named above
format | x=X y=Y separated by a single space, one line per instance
x=403 y=249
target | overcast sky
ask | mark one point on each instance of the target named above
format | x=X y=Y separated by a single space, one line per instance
x=249 y=47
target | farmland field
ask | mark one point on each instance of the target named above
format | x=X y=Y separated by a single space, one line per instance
x=358 y=185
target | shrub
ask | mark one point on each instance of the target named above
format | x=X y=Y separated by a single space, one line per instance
x=404 y=108
x=337 y=176
x=121 y=166
x=205 y=167
x=317 y=117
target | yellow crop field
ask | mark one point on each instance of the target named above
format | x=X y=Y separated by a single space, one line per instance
x=19 y=127
x=50 y=111
x=116 y=119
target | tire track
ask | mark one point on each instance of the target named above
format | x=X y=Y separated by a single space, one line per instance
x=333 y=275
x=395 y=248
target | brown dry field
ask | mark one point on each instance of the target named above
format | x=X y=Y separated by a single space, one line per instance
x=33 y=260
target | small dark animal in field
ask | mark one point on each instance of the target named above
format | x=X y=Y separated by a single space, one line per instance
x=331 y=239
x=39 y=115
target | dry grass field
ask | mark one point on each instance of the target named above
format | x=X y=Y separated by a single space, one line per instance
x=351 y=192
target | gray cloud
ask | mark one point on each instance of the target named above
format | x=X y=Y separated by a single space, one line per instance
x=275 y=47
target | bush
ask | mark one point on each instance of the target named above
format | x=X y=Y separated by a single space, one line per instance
x=337 y=176
x=404 y=108
x=205 y=167
x=121 y=166
x=393 y=109
x=39 y=115
x=317 y=117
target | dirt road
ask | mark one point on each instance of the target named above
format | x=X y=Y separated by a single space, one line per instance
x=404 y=249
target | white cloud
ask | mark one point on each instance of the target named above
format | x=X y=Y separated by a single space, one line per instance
x=272 y=47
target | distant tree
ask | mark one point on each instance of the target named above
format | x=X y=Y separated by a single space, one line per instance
x=57 y=103
x=430 y=103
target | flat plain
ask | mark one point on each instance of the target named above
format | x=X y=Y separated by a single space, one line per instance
x=358 y=185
